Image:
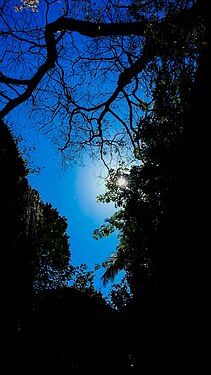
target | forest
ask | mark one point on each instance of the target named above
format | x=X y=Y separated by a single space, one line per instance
x=125 y=82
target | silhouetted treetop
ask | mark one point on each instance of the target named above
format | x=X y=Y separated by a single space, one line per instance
x=59 y=63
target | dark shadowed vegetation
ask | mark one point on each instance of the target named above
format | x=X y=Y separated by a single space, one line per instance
x=150 y=116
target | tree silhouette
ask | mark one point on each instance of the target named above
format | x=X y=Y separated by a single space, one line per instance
x=113 y=46
x=150 y=60
x=51 y=260
x=159 y=209
x=146 y=220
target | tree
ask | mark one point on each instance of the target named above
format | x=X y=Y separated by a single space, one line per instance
x=51 y=259
x=132 y=45
x=152 y=240
x=62 y=55
x=35 y=245
x=145 y=194
x=36 y=304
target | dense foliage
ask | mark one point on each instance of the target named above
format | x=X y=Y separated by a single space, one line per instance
x=57 y=58
x=147 y=196
x=72 y=333
x=31 y=230
x=51 y=262
x=155 y=54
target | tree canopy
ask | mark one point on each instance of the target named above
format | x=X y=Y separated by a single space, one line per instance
x=58 y=57
x=145 y=195
x=126 y=81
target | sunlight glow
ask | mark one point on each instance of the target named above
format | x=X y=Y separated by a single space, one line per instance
x=122 y=182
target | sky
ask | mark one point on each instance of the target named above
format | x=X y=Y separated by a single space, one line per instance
x=73 y=192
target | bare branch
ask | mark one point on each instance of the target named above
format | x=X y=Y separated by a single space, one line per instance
x=84 y=28
x=84 y=77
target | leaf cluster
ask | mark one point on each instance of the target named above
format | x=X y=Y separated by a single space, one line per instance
x=51 y=260
x=149 y=196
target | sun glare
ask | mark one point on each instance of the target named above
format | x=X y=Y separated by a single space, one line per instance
x=121 y=182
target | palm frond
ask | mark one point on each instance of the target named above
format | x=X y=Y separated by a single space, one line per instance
x=113 y=267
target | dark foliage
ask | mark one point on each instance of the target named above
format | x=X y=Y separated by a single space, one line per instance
x=65 y=330
x=162 y=222
x=51 y=258
x=17 y=241
x=76 y=332
x=48 y=328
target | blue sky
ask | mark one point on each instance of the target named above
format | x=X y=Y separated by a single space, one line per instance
x=73 y=192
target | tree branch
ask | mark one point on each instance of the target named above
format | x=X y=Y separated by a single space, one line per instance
x=66 y=24
x=92 y=30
